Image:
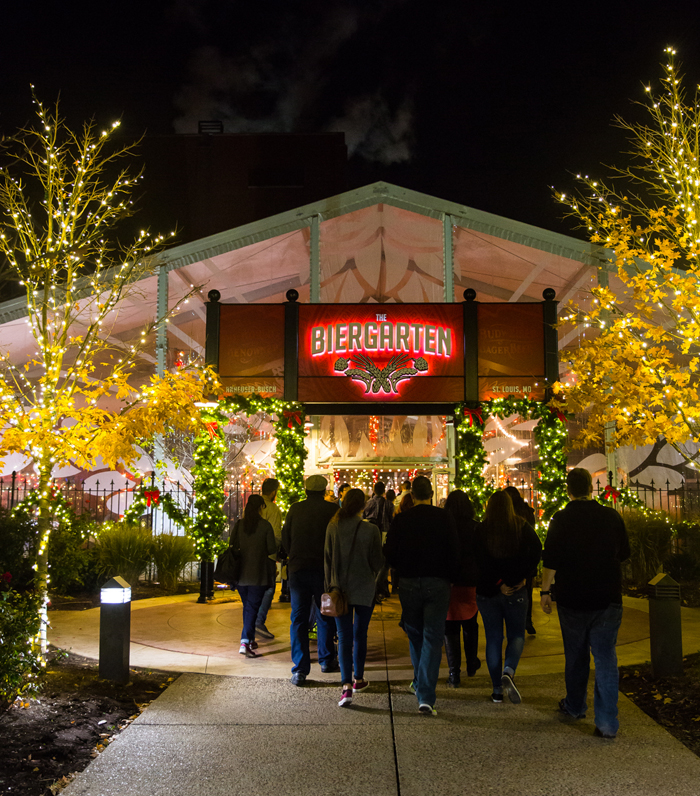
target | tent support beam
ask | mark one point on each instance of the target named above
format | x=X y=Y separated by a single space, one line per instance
x=161 y=312
x=315 y=264
x=448 y=257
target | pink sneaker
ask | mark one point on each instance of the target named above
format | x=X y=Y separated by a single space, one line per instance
x=346 y=698
x=359 y=685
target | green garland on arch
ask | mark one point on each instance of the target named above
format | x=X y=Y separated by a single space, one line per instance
x=550 y=437
x=209 y=473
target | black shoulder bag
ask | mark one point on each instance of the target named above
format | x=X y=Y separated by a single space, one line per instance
x=228 y=565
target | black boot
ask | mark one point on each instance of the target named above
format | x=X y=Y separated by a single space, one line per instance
x=470 y=631
x=453 y=648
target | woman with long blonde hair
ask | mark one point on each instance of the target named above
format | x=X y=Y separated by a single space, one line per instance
x=507 y=549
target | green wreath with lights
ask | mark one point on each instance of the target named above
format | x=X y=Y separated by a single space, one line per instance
x=148 y=497
x=209 y=472
x=622 y=497
x=550 y=437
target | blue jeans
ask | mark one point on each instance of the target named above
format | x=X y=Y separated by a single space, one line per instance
x=305 y=588
x=352 y=641
x=252 y=597
x=424 y=602
x=583 y=633
x=494 y=612
x=265 y=605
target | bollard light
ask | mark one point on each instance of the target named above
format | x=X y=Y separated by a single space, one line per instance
x=115 y=630
x=115 y=595
x=665 y=635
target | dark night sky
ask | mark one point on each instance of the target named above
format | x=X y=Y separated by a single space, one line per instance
x=485 y=104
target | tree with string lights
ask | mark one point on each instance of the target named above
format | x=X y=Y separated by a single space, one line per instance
x=63 y=195
x=636 y=372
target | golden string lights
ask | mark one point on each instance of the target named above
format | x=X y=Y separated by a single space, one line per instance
x=635 y=372
x=67 y=252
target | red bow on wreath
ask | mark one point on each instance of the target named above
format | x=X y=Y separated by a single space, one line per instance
x=152 y=495
x=212 y=428
x=292 y=417
x=611 y=492
x=474 y=413
x=560 y=415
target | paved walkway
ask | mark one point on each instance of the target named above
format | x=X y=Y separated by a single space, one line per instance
x=213 y=733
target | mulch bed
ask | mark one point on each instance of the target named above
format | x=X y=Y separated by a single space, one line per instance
x=672 y=702
x=45 y=741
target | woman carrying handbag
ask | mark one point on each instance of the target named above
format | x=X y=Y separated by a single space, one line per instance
x=256 y=540
x=353 y=557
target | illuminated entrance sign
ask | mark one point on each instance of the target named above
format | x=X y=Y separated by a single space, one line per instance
x=328 y=354
x=381 y=335
x=405 y=352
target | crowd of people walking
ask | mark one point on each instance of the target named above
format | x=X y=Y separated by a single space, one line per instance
x=448 y=569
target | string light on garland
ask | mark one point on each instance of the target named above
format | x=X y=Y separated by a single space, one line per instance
x=550 y=435
x=146 y=497
x=470 y=459
x=210 y=475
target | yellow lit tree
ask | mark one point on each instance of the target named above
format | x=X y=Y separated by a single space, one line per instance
x=62 y=196
x=637 y=370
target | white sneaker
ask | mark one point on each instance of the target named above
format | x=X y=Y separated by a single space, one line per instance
x=427 y=709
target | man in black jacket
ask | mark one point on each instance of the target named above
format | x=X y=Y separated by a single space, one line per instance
x=304 y=538
x=422 y=545
x=586 y=543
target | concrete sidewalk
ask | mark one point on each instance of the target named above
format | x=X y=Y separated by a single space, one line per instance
x=211 y=734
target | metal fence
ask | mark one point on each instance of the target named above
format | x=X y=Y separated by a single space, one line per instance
x=110 y=501
x=681 y=503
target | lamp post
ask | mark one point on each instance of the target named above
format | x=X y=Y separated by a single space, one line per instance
x=115 y=630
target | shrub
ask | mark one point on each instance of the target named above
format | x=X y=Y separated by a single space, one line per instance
x=650 y=543
x=684 y=564
x=171 y=554
x=683 y=567
x=18 y=547
x=20 y=665
x=71 y=559
x=123 y=549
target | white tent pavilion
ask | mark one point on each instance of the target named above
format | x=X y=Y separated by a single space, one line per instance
x=377 y=244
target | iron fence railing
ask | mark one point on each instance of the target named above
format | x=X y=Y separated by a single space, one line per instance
x=109 y=501
x=681 y=503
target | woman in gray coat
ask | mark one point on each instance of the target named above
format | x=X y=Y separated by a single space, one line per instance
x=353 y=557
x=255 y=539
